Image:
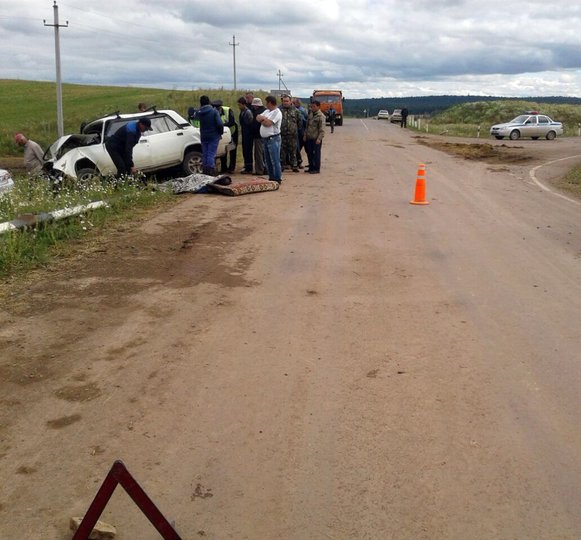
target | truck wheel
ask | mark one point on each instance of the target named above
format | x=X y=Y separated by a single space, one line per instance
x=192 y=163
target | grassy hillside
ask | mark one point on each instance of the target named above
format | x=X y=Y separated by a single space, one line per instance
x=494 y=112
x=487 y=113
x=30 y=106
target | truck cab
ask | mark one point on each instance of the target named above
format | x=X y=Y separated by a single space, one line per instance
x=328 y=99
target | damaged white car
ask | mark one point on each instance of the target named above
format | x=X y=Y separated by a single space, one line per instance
x=172 y=141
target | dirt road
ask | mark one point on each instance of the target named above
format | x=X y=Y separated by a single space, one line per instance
x=326 y=361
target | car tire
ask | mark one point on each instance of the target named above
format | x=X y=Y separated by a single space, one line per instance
x=192 y=163
x=550 y=136
x=514 y=135
x=87 y=175
x=499 y=137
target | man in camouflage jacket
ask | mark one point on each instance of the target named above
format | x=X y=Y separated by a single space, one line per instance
x=289 y=129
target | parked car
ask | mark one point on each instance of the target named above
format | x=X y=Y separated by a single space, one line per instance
x=533 y=125
x=6 y=182
x=383 y=115
x=395 y=116
x=171 y=142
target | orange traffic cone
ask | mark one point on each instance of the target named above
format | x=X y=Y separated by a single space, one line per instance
x=420 y=194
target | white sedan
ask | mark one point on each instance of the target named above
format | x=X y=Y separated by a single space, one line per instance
x=383 y=114
x=531 y=125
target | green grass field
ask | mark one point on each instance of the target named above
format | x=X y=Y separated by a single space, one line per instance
x=30 y=107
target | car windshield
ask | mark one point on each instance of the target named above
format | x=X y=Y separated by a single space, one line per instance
x=521 y=119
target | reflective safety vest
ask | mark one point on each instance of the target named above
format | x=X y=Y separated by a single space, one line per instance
x=225 y=116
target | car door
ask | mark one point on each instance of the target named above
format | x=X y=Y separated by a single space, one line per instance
x=544 y=124
x=141 y=151
x=529 y=128
x=166 y=142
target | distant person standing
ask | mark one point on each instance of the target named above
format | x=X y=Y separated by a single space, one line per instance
x=404 y=117
x=314 y=137
x=246 y=120
x=258 y=108
x=332 y=116
x=211 y=131
x=270 y=121
x=33 y=154
x=120 y=145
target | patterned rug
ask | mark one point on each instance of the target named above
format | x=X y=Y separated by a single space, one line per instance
x=257 y=185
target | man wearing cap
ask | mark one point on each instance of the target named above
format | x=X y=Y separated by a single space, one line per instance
x=270 y=121
x=120 y=145
x=33 y=153
x=258 y=108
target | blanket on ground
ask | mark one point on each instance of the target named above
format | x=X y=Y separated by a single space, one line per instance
x=194 y=183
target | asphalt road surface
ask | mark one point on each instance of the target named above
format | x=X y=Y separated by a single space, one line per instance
x=325 y=361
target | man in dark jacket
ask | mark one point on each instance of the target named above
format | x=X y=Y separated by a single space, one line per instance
x=404 y=117
x=120 y=145
x=228 y=160
x=246 y=119
x=211 y=131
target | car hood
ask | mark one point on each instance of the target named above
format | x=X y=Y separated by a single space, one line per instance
x=507 y=124
x=66 y=143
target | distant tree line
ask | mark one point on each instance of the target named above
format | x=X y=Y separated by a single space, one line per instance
x=430 y=105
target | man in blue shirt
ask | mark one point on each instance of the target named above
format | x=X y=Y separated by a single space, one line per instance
x=120 y=145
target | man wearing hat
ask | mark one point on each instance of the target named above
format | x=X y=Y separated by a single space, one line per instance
x=120 y=145
x=259 y=164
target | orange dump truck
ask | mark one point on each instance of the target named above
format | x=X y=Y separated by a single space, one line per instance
x=328 y=99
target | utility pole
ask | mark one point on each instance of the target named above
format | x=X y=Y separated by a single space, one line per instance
x=280 y=81
x=57 y=53
x=234 y=45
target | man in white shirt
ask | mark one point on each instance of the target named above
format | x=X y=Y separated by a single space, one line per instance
x=270 y=121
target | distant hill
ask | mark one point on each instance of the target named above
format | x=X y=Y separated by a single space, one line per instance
x=434 y=104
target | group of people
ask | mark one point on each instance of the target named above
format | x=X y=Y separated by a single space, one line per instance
x=272 y=136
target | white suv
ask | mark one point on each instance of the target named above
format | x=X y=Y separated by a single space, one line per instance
x=172 y=141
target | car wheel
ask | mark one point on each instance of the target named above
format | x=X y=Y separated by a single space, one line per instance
x=499 y=137
x=514 y=134
x=534 y=138
x=192 y=163
x=550 y=136
x=87 y=175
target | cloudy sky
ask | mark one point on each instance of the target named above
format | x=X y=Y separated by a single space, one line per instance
x=369 y=48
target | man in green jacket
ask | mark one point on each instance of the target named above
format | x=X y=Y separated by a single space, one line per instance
x=314 y=134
